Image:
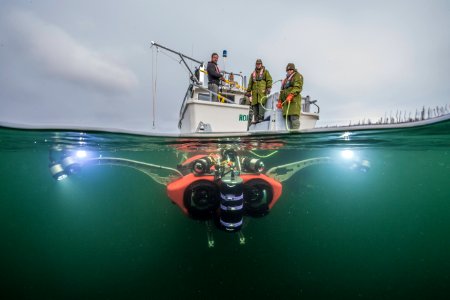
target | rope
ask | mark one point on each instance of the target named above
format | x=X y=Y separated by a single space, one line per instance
x=287 y=116
x=261 y=103
x=267 y=96
x=263 y=156
x=237 y=85
x=154 y=82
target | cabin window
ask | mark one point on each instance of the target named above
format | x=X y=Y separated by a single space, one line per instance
x=203 y=96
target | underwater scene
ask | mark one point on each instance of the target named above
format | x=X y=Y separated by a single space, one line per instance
x=363 y=214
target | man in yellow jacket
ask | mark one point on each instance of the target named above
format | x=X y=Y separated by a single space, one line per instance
x=290 y=97
x=259 y=86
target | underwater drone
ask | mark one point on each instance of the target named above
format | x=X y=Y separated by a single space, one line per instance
x=220 y=188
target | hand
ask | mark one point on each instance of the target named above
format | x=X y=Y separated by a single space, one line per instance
x=268 y=91
x=248 y=94
x=289 y=98
x=279 y=104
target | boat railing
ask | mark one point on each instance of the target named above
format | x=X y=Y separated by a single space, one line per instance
x=209 y=94
x=306 y=105
x=227 y=94
x=243 y=82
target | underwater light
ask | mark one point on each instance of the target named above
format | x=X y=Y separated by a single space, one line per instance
x=347 y=154
x=81 y=154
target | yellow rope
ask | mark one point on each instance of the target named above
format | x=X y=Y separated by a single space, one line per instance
x=263 y=156
x=237 y=85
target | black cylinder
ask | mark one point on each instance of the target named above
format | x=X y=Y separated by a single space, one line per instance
x=57 y=171
x=231 y=203
x=258 y=195
x=252 y=165
x=70 y=165
x=200 y=199
x=201 y=166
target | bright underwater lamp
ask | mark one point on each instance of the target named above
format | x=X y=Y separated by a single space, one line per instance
x=81 y=154
x=354 y=162
x=347 y=154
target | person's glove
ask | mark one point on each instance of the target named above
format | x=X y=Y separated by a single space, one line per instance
x=268 y=91
x=289 y=98
x=248 y=94
x=279 y=104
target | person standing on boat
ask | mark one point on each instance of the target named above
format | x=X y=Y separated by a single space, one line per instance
x=290 y=97
x=259 y=86
x=214 y=76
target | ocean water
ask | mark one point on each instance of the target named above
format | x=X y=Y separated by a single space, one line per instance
x=373 y=224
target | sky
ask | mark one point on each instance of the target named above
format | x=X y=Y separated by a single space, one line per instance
x=89 y=63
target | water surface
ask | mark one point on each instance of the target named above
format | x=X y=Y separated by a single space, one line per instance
x=338 y=230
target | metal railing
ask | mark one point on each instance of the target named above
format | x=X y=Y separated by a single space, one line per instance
x=306 y=105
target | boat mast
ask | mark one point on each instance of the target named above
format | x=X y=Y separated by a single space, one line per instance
x=182 y=57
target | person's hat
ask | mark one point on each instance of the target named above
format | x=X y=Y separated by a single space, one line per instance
x=290 y=66
x=259 y=61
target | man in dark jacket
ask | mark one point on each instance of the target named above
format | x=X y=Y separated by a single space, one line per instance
x=214 y=76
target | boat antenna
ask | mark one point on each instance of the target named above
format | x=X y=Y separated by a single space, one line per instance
x=182 y=57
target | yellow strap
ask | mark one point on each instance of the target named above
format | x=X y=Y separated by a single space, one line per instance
x=221 y=98
x=239 y=87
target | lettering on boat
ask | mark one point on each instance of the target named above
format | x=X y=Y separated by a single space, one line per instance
x=243 y=118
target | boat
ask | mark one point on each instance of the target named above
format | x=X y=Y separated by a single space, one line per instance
x=199 y=116
x=232 y=114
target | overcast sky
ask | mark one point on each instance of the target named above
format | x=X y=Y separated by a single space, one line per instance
x=89 y=63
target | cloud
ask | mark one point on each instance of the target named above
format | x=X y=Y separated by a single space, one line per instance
x=370 y=63
x=344 y=58
x=57 y=54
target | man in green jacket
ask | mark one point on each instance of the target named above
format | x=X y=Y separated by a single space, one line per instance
x=290 y=98
x=259 y=86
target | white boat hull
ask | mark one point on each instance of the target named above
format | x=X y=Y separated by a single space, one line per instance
x=201 y=116
x=205 y=116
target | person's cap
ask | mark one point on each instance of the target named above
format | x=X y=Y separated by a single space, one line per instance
x=290 y=66
x=259 y=61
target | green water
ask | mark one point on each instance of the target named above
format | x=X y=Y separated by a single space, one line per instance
x=335 y=233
